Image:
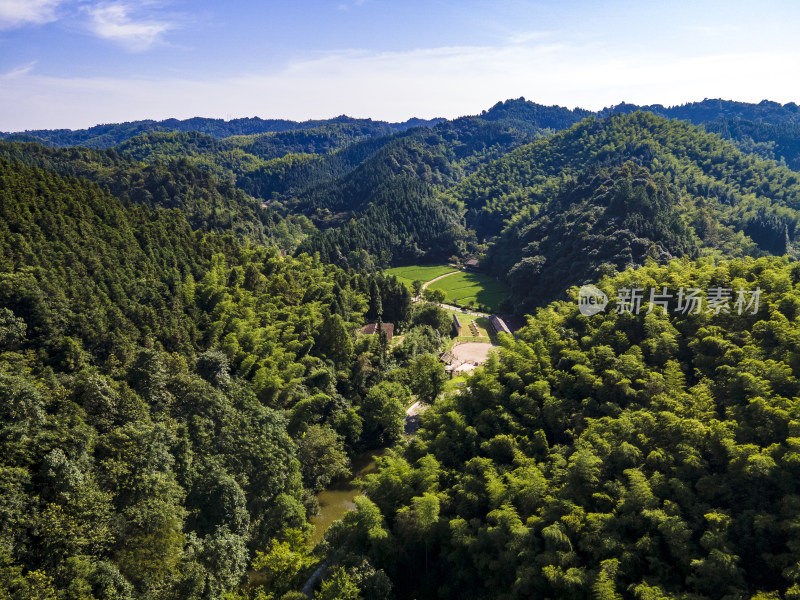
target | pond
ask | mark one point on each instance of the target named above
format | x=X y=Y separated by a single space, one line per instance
x=337 y=499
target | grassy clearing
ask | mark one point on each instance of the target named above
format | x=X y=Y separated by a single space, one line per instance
x=454 y=384
x=481 y=289
x=483 y=326
x=407 y=275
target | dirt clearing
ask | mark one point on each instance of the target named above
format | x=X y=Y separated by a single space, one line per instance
x=472 y=352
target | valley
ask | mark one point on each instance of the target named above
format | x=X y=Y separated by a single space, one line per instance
x=212 y=333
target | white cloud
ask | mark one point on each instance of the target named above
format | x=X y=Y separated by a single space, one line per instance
x=19 y=71
x=445 y=82
x=112 y=21
x=16 y=13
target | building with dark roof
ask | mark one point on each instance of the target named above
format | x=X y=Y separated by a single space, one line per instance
x=457 y=325
x=498 y=324
x=372 y=328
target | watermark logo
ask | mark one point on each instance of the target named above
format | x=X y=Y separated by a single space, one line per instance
x=688 y=301
x=591 y=300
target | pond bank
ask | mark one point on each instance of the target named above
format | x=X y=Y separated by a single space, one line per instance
x=337 y=498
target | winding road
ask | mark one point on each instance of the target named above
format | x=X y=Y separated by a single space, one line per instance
x=449 y=306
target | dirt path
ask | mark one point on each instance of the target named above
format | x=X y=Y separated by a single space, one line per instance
x=412 y=416
x=449 y=306
x=427 y=283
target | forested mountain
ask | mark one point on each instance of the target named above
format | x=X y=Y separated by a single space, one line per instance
x=608 y=193
x=389 y=205
x=106 y=136
x=209 y=202
x=525 y=115
x=267 y=166
x=266 y=146
x=778 y=141
x=371 y=191
x=768 y=129
x=388 y=190
x=713 y=110
x=171 y=398
x=181 y=369
x=622 y=455
x=378 y=196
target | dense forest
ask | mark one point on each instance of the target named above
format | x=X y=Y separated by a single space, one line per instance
x=608 y=193
x=622 y=455
x=403 y=193
x=182 y=368
x=173 y=398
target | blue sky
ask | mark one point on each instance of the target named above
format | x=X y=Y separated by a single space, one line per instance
x=75 y=63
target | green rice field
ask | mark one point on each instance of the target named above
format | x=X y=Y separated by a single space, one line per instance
x=425 y=273
x=463 y=287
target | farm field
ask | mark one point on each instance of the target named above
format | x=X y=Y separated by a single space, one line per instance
x=481 y=289
x=407 y=275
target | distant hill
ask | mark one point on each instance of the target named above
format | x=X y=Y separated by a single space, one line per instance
x=363 y=192
x=523 y=113
x=712 y=110
x=108 y=135
x=210 y=202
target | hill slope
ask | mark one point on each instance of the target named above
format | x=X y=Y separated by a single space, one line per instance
x=172 y=398
x=621 y=455
x=714 y=197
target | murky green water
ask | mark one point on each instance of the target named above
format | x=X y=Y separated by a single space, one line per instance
x=335 y=501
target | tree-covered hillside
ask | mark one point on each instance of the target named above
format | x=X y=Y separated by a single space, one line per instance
x=388 y=206
x=387 y=190
x=182 y=368
x=172 y=399
x=209 y=202
x=768 y=129
x=776 y=141
x=709 y=110
x=632 y=454
x=106 y=136
x=544 y=200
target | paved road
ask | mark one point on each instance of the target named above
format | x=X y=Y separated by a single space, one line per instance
x=464 y=310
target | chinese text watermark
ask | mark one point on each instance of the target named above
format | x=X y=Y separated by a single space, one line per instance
x=687 y=301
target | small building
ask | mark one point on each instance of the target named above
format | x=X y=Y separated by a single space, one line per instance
x=464 y=369
x=499 y=325
x=472 y=264
x=372 y=329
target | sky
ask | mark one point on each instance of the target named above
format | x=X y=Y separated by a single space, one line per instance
x=76 y=63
